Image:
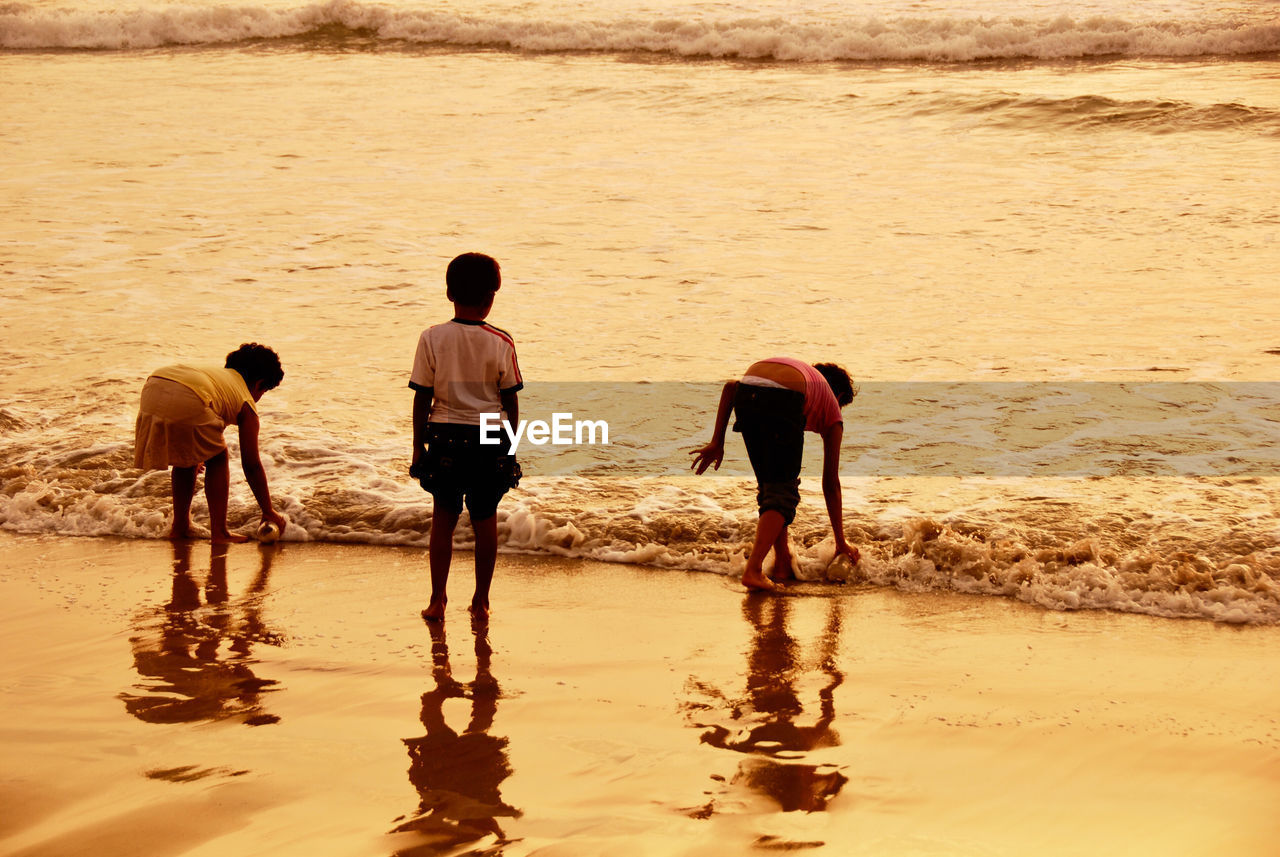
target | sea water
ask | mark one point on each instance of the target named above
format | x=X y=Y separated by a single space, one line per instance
x=1043 y=237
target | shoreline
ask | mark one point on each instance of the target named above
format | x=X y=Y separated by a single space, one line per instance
x=289 y=700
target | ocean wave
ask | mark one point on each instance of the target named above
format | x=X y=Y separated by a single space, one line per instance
x=1156 y=498
x=1214 y=553
x=1095 y=111
x=944 y=40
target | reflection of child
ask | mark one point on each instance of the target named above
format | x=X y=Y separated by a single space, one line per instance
x=459 y=772
x=463 y=369
x=776 y=402
x=185 y=410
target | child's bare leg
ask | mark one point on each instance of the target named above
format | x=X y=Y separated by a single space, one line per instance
x=486 y=559
x=183 y=482
x=769 y=526
x=217 y=487
x=443 y=523
x=782 y=562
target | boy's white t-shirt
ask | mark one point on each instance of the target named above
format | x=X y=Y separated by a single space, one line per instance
x=466 y=365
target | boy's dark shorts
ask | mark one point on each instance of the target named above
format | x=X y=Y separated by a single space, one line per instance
x=458 y=468
x=771 y=421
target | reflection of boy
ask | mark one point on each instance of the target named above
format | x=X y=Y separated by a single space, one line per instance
x=462 y=369
x=776 y=402
x=459 y=775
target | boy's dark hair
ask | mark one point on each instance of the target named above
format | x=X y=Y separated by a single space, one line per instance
x=472 y=279
x=839 y=381
x=256 y=362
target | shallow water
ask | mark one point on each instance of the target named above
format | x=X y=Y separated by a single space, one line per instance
x=1061 y=219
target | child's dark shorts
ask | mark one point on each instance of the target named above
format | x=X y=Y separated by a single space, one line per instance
x=771 y=421
x=458 y=468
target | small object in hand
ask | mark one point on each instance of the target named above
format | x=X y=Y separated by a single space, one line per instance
x=840 y=569
x=268 y=532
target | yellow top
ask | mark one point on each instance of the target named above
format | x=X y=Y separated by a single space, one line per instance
x=223 y=390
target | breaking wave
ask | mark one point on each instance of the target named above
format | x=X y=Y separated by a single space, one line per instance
x=943 y=40
x=1213 y=553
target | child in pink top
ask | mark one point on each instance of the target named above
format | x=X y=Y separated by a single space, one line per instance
x=776 y=402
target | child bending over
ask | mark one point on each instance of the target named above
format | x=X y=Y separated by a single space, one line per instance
x=185 y=410
x=776 y=402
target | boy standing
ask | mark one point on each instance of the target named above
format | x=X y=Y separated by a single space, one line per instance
x=463 y=369
x=777 y=401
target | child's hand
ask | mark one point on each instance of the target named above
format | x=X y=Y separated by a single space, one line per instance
x=849 y=551
x=708 y=456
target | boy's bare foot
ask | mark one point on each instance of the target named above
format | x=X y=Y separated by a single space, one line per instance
x=784 y=566
x=754 y=579
x=180 y=533
x=435 y=610
x=479 y=610
x=227 y=538
x=780 y=574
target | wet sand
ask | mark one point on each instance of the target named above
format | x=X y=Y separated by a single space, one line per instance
x=290 y=701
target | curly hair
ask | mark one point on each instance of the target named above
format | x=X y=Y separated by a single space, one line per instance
x=256 y=362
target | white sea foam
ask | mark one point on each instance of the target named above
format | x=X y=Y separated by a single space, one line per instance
x=1154 y=498
x=818 y=39
x=1066 y=545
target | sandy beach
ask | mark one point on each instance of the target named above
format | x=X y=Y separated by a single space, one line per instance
x=289 y=700
x=1038 y=235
